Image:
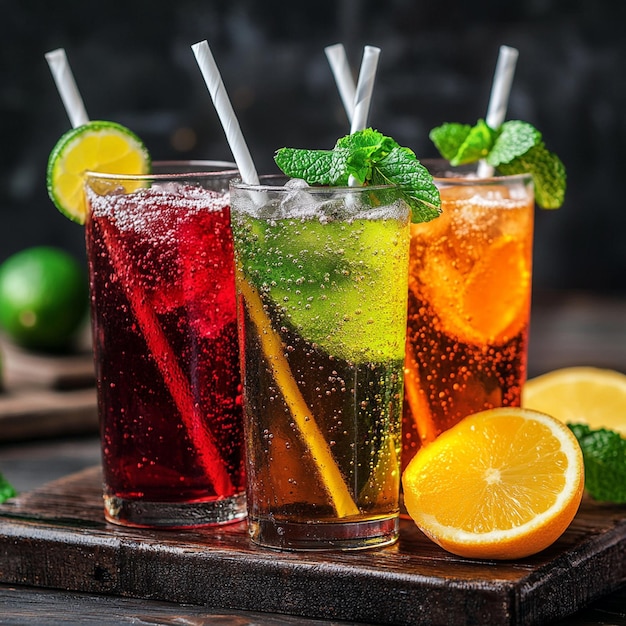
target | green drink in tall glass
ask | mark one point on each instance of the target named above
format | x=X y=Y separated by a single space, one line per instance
x=322 y=294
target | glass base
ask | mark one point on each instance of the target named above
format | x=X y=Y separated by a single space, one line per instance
x=360 y=535
x=142 y=514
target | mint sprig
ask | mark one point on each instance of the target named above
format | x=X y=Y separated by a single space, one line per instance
x=372 y=159
x=6 y=489
x=516 y=147
x=462 y=143
x=604 y=455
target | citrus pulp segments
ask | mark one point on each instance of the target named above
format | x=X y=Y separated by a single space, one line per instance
x=340 y=286
x=501 y=484
x=490 y=303
x=96 y=146
x=472 y=265
x=588 y=395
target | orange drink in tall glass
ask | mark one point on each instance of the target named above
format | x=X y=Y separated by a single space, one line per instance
x=469 y=304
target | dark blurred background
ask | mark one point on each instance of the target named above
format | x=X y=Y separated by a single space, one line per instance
x=133 y=64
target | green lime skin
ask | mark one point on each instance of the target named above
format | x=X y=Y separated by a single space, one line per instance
x=44 y=297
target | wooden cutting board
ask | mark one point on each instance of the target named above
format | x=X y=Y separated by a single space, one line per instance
x=45 y=395
x=56 y=536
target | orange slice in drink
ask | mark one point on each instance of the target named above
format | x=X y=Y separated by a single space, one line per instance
x=501 y=484
x=495 y=298
x=488 y=304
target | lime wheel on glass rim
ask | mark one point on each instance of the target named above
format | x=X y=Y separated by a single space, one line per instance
x=97 y=146
x=44 y=290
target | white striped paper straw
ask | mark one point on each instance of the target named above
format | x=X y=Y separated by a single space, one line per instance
x=499 y=99
x=338 y=60
x=225 y=112
x=66 y=85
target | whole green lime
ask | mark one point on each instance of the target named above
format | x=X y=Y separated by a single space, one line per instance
x=44 y=297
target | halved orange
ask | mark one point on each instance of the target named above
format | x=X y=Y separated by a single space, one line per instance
x=501 y=484
x=587 y=395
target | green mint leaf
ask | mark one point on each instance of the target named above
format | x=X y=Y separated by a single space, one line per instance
x=462 y=143
x=6 y=489
x=476 y=145
x=548 y=174
x=515 y=148
x=364 y=149
x=369 y=140
x=604 y=455
x=401 y=167
x=514 y=139
x=339 y=173
x=448 y=138
x=371 y=158
x=314 y=166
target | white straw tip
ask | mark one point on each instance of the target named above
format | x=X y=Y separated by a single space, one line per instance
x=333 y=48
x=509 y=51
x=54 y=54
x=200 y=44
x=217 y=90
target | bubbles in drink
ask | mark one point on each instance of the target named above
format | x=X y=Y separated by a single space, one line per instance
x=171 y=226
x=469 y=300
x=162 y=277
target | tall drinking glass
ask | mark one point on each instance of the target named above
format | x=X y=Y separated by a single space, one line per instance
x=469 y=303
x=321 y=284
x=161 y=271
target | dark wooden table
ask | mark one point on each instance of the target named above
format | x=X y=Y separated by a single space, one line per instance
x=567 y=329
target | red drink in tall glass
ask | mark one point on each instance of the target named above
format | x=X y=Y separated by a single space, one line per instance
x=165 y=345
